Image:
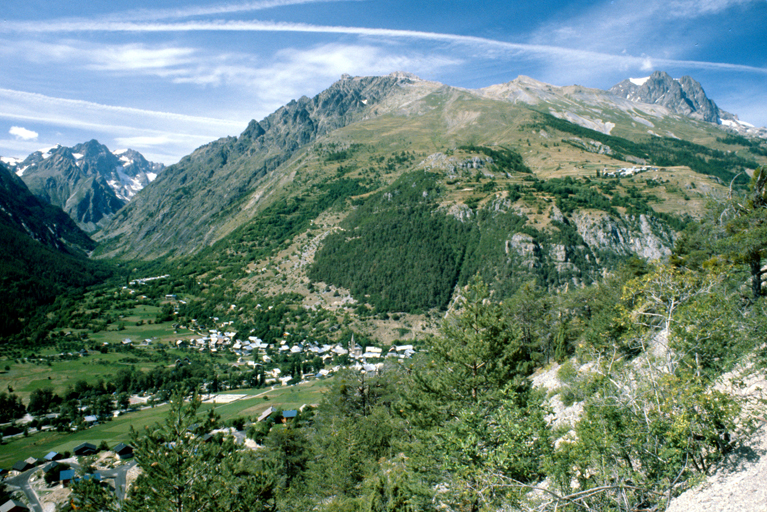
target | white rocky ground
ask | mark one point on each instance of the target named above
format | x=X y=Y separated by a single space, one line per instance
x=739 y=483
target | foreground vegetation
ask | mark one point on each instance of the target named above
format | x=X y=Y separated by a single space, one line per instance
x=461 y=427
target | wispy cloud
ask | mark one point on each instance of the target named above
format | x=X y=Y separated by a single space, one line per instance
x=571 y=52
x=624 y=24
x=179 y=133
x=216 y=9
x=55 y=110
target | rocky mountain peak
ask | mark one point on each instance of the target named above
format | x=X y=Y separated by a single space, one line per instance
x=684 y=96
x=87 y=180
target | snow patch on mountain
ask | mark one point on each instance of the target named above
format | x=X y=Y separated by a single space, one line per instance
x=639 y=81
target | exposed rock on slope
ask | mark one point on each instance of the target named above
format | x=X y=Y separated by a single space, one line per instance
x=87 y=181
x=684 y=96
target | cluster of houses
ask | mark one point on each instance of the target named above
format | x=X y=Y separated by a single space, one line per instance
x=263 y=353
x=145 y=280
x=59 y=472
x=50 y=460
x=627 y=172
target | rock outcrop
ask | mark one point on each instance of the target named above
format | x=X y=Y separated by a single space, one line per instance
x=684 y=96
x=89 y=182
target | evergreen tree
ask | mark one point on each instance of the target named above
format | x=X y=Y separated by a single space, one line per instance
x=183 y=471
x=480 y=352
x=747 y=226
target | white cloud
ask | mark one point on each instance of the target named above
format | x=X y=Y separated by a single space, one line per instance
x=23 y=133
x=138 y=57
x=56 y=110
x=229 y=8
x=573 y=41
x=696 y=8
x=294 y=72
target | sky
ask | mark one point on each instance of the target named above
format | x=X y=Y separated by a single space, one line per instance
x=165 y=77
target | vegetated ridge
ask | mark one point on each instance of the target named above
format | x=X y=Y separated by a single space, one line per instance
x=43 y=253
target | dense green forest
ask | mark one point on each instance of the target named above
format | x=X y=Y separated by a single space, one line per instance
x=380 y=254
x=461 y=427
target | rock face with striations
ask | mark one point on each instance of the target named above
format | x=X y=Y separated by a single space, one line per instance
x=684 y=96
x=89 y=182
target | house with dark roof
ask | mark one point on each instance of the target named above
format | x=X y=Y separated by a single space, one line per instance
x=66 y=476
x=50 y=467
x=85 y=449
x=124 y=451
x=22 y=466
x=289 y=415
x=53 y=456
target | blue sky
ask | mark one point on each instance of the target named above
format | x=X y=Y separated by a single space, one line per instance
x=165 y=77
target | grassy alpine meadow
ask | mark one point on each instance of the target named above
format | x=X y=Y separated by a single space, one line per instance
x=249 y=403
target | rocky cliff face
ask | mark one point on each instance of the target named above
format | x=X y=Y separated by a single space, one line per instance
x=599 y=240
x=684 y=96
x=89 y=182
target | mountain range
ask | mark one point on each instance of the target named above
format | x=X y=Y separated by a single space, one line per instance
x=516 y=181
x=397 y=189
x=88 y=181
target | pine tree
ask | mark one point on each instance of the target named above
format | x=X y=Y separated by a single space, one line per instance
x=183 y=470
x=747 y=227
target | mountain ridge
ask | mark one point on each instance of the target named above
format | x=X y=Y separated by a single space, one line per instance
x=88 y=181
x=226 y=182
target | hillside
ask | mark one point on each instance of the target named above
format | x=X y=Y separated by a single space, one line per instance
x=43 y=254
x=521 y=181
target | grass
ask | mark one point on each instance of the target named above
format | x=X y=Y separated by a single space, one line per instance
x=26 y=377
x=118 y=430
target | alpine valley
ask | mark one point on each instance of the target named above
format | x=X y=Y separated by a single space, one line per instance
x=522 y=297
x=388 y=193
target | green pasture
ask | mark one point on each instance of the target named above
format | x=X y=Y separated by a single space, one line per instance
x=118 y=430
x=25 y=377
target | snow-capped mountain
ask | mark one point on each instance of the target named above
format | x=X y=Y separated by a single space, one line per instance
x=684 y=96
x=133 y=174
x=88 y=181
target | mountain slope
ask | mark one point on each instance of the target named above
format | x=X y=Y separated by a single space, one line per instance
x=549 y=184
x=87 y=181
x=41 y=253
x=190 y=205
